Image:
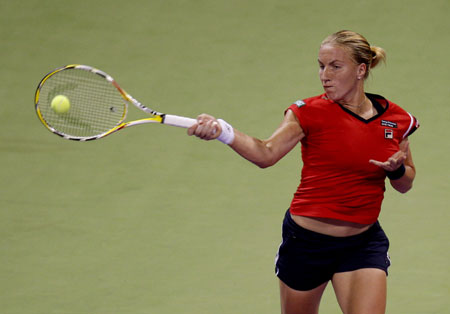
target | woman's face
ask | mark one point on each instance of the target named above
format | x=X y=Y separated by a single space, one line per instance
x=341 y=77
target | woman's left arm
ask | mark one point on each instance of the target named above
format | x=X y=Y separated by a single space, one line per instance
x=400 y=168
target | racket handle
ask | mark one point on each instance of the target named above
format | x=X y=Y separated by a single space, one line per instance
x=178 y=121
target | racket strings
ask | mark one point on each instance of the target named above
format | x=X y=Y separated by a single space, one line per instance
x=95 y=104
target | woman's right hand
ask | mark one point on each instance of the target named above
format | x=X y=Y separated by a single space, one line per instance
x=206 y=128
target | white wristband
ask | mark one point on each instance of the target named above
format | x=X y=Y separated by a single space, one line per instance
x=227 y=134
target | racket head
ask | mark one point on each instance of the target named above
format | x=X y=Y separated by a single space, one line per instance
x=97 y=105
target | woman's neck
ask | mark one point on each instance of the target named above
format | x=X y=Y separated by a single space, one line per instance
x=360 y=105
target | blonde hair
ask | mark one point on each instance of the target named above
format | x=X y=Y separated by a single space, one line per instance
x=359 y=47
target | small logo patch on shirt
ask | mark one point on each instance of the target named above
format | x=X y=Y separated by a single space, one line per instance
x=300 y=103
x=389 y=124
x=389 y=134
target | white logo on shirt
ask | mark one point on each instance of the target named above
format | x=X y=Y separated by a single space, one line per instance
x=299 y=103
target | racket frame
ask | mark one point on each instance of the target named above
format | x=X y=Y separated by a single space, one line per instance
x=155 y=116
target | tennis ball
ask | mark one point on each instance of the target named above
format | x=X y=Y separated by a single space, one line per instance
x=60 y=104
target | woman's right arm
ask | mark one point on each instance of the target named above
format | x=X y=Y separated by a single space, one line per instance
x=263 y=153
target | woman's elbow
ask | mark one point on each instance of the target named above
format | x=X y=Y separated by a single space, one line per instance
x=403 y=188
x=265 y=163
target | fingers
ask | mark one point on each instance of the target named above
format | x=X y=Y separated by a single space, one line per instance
x=393 y=163
x=207 y=128
x=404 y=146
x=377 y=163
x=191 y=130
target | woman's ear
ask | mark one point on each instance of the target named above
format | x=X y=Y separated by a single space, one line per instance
x=362 y=70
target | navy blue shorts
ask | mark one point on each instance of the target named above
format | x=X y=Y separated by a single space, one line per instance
x=307 y=259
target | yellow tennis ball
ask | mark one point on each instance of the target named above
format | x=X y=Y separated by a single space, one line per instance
x=60 y=104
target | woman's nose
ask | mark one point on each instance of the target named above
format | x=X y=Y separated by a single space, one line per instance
x=325 y=74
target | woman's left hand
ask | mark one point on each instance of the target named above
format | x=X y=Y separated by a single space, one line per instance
x=396 y=160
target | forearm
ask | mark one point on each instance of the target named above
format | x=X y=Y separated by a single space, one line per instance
x=263 y=153
x=254 y=150
x=405 y=182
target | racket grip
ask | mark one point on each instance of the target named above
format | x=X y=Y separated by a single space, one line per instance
x=178 y=121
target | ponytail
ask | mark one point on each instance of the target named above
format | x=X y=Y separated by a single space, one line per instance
x=378 y=55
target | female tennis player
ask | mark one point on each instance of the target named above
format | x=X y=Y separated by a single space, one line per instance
x=351 y=141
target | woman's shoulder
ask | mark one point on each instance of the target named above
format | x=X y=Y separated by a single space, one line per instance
x=310 y=102
x=396 y=116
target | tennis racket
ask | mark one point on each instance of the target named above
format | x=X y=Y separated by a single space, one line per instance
x=91 y=105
